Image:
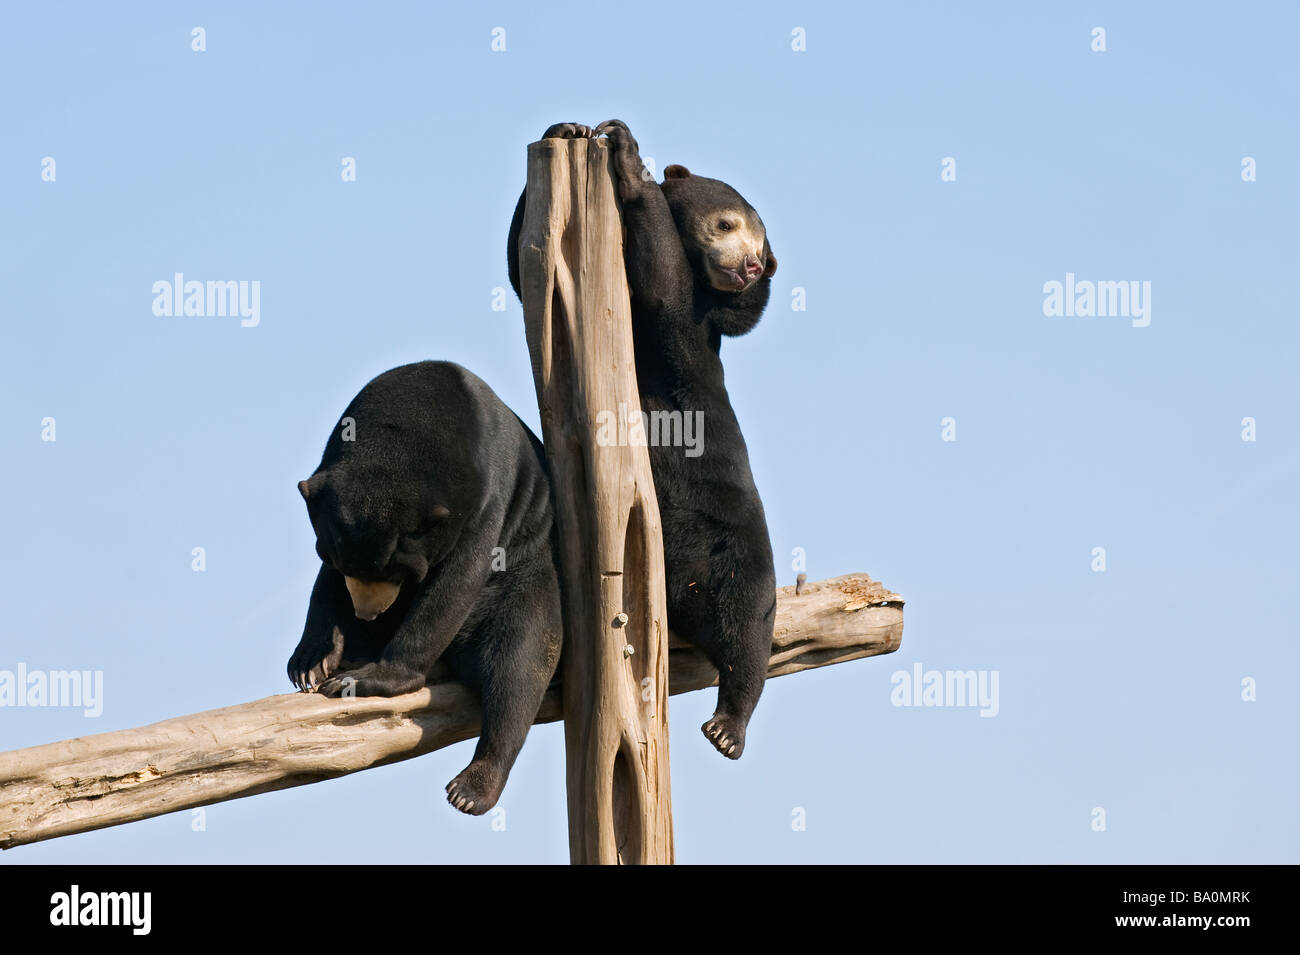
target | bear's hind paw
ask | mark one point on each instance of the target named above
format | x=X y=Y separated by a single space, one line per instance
x=727 y=734
x=476 y=789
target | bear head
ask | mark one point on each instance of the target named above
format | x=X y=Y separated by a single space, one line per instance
x=379 y=543
x=724 y=239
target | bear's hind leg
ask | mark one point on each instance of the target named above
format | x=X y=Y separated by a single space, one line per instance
x=739 y=642
x=510 y=662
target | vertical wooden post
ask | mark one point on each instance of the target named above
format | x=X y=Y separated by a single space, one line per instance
x=615 y=664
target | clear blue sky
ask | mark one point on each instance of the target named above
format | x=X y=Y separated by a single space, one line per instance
x=1119 y=689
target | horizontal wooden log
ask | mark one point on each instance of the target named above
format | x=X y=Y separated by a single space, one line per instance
x=297 y=738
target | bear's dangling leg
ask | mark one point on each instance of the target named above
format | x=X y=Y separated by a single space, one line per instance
x=739 y=643
x=510 y=661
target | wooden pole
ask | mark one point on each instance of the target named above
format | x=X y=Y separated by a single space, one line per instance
x=577 y=317
x=108 y=779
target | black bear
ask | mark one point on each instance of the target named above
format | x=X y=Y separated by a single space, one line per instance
x=433 y=521
x=698 y=267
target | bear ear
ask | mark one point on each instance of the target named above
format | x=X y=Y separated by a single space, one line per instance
x=676 y=172
x=770 y=269
x=311 y=486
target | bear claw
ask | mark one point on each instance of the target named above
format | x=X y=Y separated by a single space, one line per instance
x=337 y=686
x=313 y=657
x=476 y=789
x=631 y=172
x=727 y=739
x=462 y=802
x=569 y=131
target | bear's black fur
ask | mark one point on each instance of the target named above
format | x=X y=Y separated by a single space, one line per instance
x=698 y=267
x=408 y=518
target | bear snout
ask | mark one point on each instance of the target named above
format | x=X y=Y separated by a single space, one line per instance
x=737 y=278
x=370 y=598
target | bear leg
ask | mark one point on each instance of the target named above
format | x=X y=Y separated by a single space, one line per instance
x=510 y=661
x=738 y=640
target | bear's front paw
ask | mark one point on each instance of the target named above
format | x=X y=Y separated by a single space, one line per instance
x=628 y=167
x=569 y=131
x=314 y=660
x=477 y=788
x=374 y=679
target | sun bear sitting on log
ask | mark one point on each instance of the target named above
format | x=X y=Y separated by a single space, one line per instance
x=433 y=520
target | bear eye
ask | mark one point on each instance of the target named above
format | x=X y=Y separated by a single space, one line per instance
x=725 y=225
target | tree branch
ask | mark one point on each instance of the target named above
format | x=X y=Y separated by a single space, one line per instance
x=297 y=738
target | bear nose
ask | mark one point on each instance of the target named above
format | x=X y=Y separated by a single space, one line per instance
x=752 y=266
